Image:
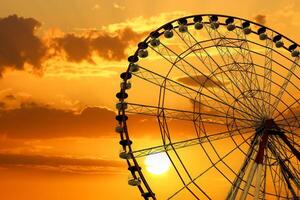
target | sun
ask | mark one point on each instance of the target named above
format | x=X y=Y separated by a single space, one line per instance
x=157 y=163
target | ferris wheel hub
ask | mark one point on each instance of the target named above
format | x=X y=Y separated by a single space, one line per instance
x=269 y=126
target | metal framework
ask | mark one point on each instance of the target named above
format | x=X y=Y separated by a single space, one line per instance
x=235 y=74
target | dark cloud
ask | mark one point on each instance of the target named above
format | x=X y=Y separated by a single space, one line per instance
x=200 y=80
x=19 y=44
x=77 y=48
x=261 y=19
x=38 y=121
x=106 y=45
x=10 y=97
x=113 y=47
x=63 y=164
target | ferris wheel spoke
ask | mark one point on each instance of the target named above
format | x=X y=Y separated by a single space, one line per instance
x=208 y=60
x=237 y=147
x=260 y=179
x=246 y=54
x=268 y=104
x=169 y=84
x=280 y=186
x=183 y=166
x=284 y=85
x=272 y=175
x=292 y=134
x=181 y=89
x=256 y=168
x=286 y=172
x=165 y=132
x=277 y=179
x=292 y=148
x=284 y=152
x=240 y=175
x=290 y=126
x=181 y=114
x=188 y=174
x=274 y=72
x=290 y=119
x=190 y=142
x=297 y=101
x=188 y=68
x=250 y=72
x=267 y=83
x=246 y=79
x=181 y=178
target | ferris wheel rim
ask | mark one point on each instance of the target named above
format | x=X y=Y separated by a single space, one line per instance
x=218 y=15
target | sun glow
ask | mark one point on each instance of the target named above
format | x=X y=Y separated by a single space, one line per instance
x=157 y=163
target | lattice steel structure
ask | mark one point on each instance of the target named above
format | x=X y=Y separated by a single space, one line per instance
x=233 y=74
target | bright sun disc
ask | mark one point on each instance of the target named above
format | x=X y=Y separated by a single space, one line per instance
x=157 y=163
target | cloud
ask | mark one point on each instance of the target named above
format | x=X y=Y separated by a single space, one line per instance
x=142 y=24
x=77 y=48
x=118 y=6
x=21 y=48
x=200 y=80
x=109 y=46
x=33 y=120
x=54 y=51
x=113 y=47
x=10 y=99
x=261 y=19
x=19 y=44
x=62 y=164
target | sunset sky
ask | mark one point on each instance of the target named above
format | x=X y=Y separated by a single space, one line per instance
x=60 y=62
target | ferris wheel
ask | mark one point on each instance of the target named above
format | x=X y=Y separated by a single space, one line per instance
x=219 y=97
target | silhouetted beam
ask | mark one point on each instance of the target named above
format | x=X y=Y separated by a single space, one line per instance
x=293 y=149
x=187 y=143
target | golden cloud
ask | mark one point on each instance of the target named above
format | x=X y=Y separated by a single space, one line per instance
x=61 y=164
x=109 y=46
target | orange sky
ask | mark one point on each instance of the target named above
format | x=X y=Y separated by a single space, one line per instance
x=60 y=63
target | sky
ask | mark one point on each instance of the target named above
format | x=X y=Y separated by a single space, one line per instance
x=60 y=62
